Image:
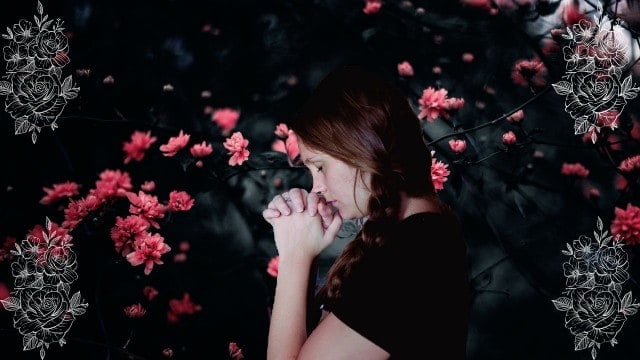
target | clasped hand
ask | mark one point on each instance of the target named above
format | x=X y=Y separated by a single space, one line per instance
x=303 y=226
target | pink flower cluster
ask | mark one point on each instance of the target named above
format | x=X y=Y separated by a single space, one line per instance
x=237 y=147
x=200 y=151
x=175 y=144
x=627 y=224
x=405 y=69
x=630 y=164
x=529 y=73
x=434 y=103
x=458 y=146
x=181 y=307
x=439 y=172
x=372 y=6
x=226 y=119
x=235 y=352
x=288 y=142
x=135 y=149
x=576 y=169
x=59 y=191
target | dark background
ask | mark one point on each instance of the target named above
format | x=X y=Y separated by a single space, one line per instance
x=517 y=211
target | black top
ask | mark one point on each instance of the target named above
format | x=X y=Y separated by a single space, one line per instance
x=411 y=297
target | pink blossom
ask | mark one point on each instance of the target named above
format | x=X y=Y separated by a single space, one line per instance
x=458 y=146
x=405 y=69
x=372 y=7
x=608 y=118
x=467 y=57
x=627 y=224
x=434 y=103
x=179 y=201
x=148 y=186
x=226 y=118
x=620 y=182
x=37 y=234
x=180 y=257
x=529 y=72
x=175 y=144
x=149 y=292
x=478 y=4
x=235 y=352
x=126 y=231
x=635 y=130
x=439 y=172
x=59 y=191
x=180 y=307
x=282 y=131
x=147 y=206
x=168 y=353
x=630 y=164
x=237 y=146
x=571 y=13
x=516 y=117
x=184 y=246
x=576 y=169
x=112 y=183
x=135 y=311
x=108 y=80
x=590 y=192
x=201 y=150
x=436 y=70
x=140 y=142
x=76 y=211
x=7 y=246
x=272 y=268
x=147 y=251
x=509 y=138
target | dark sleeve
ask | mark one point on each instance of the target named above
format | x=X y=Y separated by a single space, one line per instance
x=411 y=299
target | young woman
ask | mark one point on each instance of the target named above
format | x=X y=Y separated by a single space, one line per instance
x=400 y=288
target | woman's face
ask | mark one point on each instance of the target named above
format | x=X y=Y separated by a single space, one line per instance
x=334 y=179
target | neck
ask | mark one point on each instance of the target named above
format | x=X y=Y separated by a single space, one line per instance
x=412 y=205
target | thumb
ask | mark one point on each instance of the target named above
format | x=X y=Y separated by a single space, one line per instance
x=333 y=228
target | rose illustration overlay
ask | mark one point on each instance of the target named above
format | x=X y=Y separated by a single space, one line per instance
x=43 y=308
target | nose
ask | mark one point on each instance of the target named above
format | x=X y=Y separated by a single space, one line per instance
x=318 y=186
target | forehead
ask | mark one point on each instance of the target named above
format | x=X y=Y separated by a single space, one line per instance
x=307 y=154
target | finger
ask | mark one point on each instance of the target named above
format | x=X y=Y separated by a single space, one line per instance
x=326 y=220
x=312 y=203
x=298 y=199
x=279 y=204
x=270 y=213
x=333 y=228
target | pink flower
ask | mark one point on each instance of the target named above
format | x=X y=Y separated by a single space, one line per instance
x=509 y=138
x=135 y=311
x=184 y=246
x=36 y=235
x=201 y=150
x=140 y=142
x=181 y=307
x=516 y=117
x=434 y=103
x=149 y=292
x=272 y=268
x=405 y=69
x=168 y=353
x=126 y=231
x=437 y=70
x=458 y=146
x=571 y=14
x=226 y=118
x=620 y=182
x=179 y=201
x=147 y=251
x=439 y=172
x=467 y=57
x=4 y=292
x=635 y=130
x=608 y=118
x=372 y=7
x=59 y=191
x=576 y=169
x=630 y=164
x=175 y=144
x=529 y=72
x=76 y=211
x=148 y=186
x=112 y=183
x=237 y=146
x=180 y=257
x=235 y=352
x=147 y=206
x=627 y=224
x=7 y=246
x=478 y=4
x=282 y=131
x=590 y=192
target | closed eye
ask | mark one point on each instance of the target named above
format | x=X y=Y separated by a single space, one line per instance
x=320 y=169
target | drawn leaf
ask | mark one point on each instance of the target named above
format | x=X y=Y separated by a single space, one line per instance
x=11 y=303
x=581 y=342
x=40 y=9
x=562 y=87
x=599 y=224
x=21 y=126
x=562 y=303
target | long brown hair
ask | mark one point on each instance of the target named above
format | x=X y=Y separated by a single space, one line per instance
x=361 y=119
